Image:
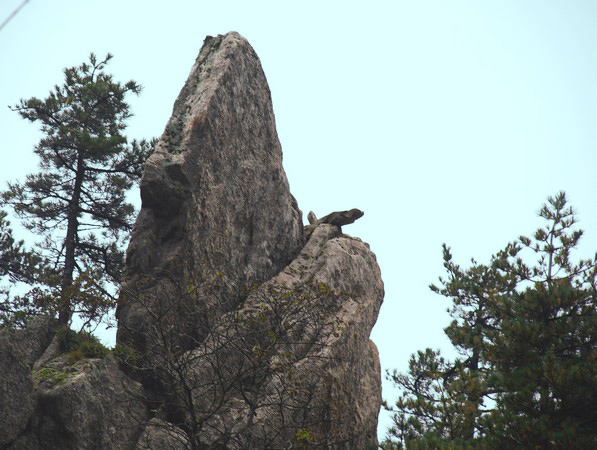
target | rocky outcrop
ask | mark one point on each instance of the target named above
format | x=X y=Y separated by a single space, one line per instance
x=337 y=218
x=348 y=394
x=90 y=404
x=350 y=389
x=273 y=344
x=239 y=327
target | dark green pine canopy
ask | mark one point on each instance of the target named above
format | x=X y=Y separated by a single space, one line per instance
x=527 y=373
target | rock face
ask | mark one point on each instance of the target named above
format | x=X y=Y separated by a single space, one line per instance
x=346 y=365
x=19 y=349
x=239 y=327
x=214 y=194
x=318 y=373
x=91 y=404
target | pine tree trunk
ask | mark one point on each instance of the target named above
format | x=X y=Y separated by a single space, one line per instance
x=70 y=242
x=472 y=411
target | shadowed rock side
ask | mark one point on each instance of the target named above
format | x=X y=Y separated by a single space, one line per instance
x=215 y=197
x=19 y=349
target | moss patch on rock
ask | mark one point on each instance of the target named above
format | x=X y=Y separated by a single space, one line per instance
x=54 y=376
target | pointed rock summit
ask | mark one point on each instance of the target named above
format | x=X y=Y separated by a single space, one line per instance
x=215 y=198
x=214 y=189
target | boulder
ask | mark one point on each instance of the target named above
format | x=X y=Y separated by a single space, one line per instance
x=90 y=404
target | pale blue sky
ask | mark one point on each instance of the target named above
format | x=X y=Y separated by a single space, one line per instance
x=445 y=121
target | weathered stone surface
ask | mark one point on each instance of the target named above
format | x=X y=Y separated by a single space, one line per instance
x=321 y=382
x=340 y=218
x=159 y=434
x=91 y=404
x=217 y=216
x=337 y=218
x=18 y=351
x=215 y=197
x=349 y=394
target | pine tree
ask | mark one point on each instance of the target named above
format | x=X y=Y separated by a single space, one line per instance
x=527 y=375
x=432 y=410
x=544 y=357
x=77 y=201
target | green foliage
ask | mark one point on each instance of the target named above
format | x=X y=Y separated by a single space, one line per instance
x=435 y=401
x=75 y=355
x=389 y=444
x=77 y=201
x=80 y=344
x=16 y=265
x=527 y=376
x=126 y=355
x=54 y=376
x=15 y=262
x=304 y=436
x=92 y=348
